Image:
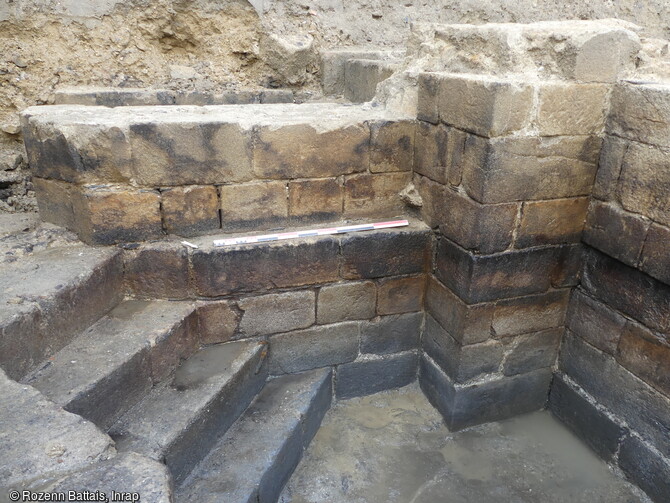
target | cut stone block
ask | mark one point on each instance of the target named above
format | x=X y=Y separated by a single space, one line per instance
x=346 y=302
x=314 y=347
x=177 y=422
x=253 y=205
x=640 y=406
x=55 y=202
x=580 y=413
x=270 y=437
x=646 y=468
x=655 y=259
x=106 y=369
x=333 y=63
x=485 y=105
x=468 y=324
x=532 y=351
x=303 y=151
x=438 y=152
x=43 y=438
x=428 y=97
x=646 y=354
x=157 y=270
x=382 y=253
x=49 y=296
x=616 y=232
x=595 y=322
x=391 y=334
x=571 y=109
x=218 y=321
x=370 y=375
x=552 y=222
x=317 y=199
x=627 y=290
x=392 y=146
x=644 y=181
x=361 y=77
x=274 y=313
x=609 y=167
x=468 y=405
x=530 y=314
x=251 y=268
x=482 y=278
x=113 y=96
x=401 y=295
x=375 y=195
x=510 y=169
x=460 y=363
x=191 y=210
x=641 y=112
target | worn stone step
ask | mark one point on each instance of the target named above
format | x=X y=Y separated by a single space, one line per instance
x=48 y=296
x=256 y=457
x=107 y=368
x=180 y=419
x=38 y=437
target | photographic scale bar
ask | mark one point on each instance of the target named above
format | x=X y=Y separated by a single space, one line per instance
x=244 y=240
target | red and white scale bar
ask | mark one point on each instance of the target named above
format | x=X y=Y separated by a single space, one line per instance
x=313 y=232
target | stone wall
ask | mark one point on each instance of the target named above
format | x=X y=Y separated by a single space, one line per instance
x=613 y=385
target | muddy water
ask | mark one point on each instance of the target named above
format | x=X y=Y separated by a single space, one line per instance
x=393 y=447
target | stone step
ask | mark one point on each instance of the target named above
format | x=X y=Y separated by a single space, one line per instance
x=180 y=419
x=253 y=461
x=108 y=367
x=136 y=173
x=48 y=296
x=37 y=437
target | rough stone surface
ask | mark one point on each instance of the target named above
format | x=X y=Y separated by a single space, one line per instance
x=641 y=112
x=655 y=260
x=571 y=109
x=646 y=468
x=190 y=210
x=400 y=295
x=616 y=232
x=392 y=146
x=157 y=270
x=594 y=322
x=646 y=354
x=125 y=473
x=270 y=437
x=375 y=195
x=530 y=314
x=315 y=199
x=609 y=167
x=346 y=301
x=532 y=351
x=551 y=222
x=509 y=169
x=250 y=268
x=218 y=322
x=391 y=334
x=372 y=375
x=361 y=77
x=314 y=347
x=54 y=202
x=468 y=324
x=484 y=105
x=253 y=205
x=274 y=313
x=576 y=410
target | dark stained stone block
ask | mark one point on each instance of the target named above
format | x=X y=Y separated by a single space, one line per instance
x=532 y=351
x=530 y=314
x=646 y=354
x=372 y=375
x=646 y=468
x=580 y=413
x=157 y=270
x=391 y=334
x=655 y=259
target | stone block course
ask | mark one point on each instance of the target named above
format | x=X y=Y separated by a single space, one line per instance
x=258 y=205
x=315 y=347
x=54 y=202
x=529 y=314
x=346 y=301
x=551 y=222
x=532 y=351
x=438 y=152
x=274 y=313
x=218 y=321
x=391 y=334
x=191 y=210
x=609 y=167
x=400 y=295
x=616 y=232
x=641 y=112
x=646 y=467
x=655 y=259
x=527 y=168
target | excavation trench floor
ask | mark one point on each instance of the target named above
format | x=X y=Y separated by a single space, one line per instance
x=393 y=447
